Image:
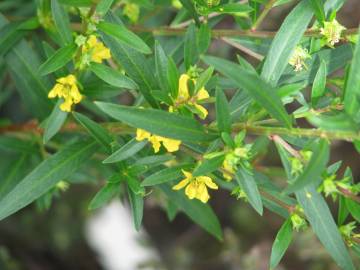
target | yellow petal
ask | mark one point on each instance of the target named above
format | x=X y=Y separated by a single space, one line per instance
x=55 y=91
x=202 y=111
x=207 y=181
x=191 y=191
x=142 y=134
x=202 y=94
x=92 y=41
x=181 y=184
x=75 y=94
x=188 y=175
x=70 y=79
x=202 y=193
x=155 y=143
x=183 y=92
x=171 y=145
x=66 y=105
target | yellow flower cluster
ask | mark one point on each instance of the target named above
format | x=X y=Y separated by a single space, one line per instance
x=196 y=187
x=170 y=144
x=67 y=89
x=332 y=32
x=184 y=97
x=97 y=50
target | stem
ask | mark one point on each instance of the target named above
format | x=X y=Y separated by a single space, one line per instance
x=300 y=132
x=263 y=14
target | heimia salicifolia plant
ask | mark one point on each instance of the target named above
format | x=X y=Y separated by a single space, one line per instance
x=193 y=123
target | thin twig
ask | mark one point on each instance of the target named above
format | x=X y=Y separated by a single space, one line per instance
x=243 y=48
x=263 y=14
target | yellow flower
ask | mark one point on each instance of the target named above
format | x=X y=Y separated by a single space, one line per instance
x=196 y=187
x=170 y=144
x=184 y=97
x=332 y=32
x=98 y=51
x=67 y=89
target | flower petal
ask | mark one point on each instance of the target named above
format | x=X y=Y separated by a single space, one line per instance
x=191 y=190
x=207 y=181
x=202 y=94
x=181 y=184
x=171 y=145
x=142 y=134
x=183 y=92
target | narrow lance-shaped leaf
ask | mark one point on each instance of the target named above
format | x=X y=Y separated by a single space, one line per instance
x=59 y=59
x=163 y=176
x=104 y=195
x=137 y=208
x=125 y=36
x=208 y=165
x=126 y=151
x=285 y=41
x=223 y=117
x=319 y=216
x=191 y=54
x=54 y=122
x=318 y=8
x=161 y=65
x=46 y=175
x=281 y=243
x=258 y=89
x=200 y=213
x=112 y=76
x=247 y=183
x=319 y=84
x=314 y=168
x=62 y=22
x=158 y=122
x=134 y=63
x=352 y=91
x=99 y=133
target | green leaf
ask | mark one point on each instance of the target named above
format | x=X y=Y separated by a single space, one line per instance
x=62 y=22
x=103 y=7
x=137 y=208
x=259 y=90
x=314 y=169
x=203 y=79
x=318 y=8
x=10 y=35
x=352 y=90
x=104 y=195
x=153 y=160
x=223 y=117
x=319 y=216
x=339 y=121
x=23 y=65
x=126 y=151
x=208 y=165
x=13 y=144
x=77 y=3
x=200 y=213
x=343 y=212
x=189 y=5
x=158 y=122
x=59 y=59
x=203 y=38
x=354 y=208
x=247 y=183
x=281 y=243
x=99 y=133
x=112 y=76
x=232 y=8
x=123 y=35
x=285 y=41
x=161 y=64
x=52 y=170
x=191 y=54
x=163 y=176
x=135 y=65
x=318 y=88
x=54 y=122
x=14 y=173
x=173 y=77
